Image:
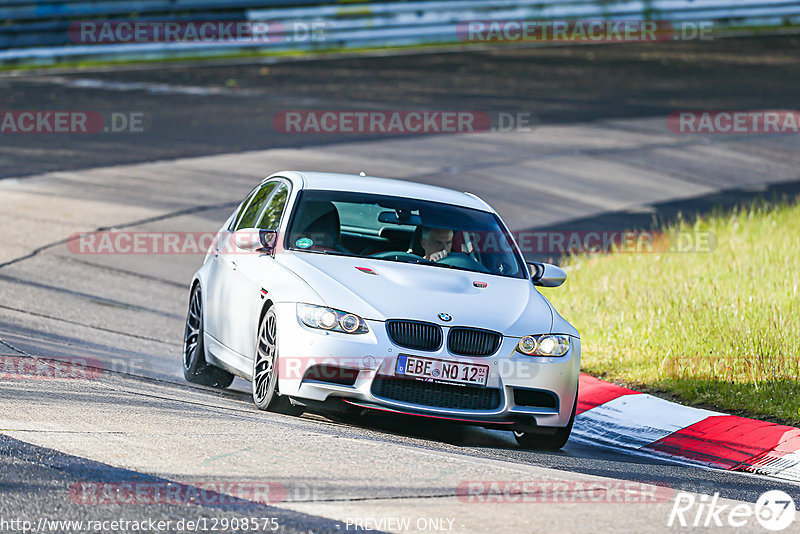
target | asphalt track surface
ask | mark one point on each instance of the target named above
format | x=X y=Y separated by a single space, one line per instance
x=195 y=111
x=128 y=313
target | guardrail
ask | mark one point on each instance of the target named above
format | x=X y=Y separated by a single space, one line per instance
x=38 y=31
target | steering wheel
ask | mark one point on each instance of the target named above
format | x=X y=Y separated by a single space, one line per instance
x=463 y=260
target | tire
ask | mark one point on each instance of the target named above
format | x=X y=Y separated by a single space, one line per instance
x=195 y=367
x=548 y=442
x=265 y=366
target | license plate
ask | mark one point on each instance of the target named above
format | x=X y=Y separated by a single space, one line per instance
x=436 y=370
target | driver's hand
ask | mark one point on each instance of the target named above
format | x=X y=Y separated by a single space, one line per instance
x=436 y=256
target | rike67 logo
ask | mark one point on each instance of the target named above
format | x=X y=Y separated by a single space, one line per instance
x=774 y=510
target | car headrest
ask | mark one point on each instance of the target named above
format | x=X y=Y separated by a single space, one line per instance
x=416 y=243
x=319 y=221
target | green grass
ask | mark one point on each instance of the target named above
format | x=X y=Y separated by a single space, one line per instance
x=717 y=329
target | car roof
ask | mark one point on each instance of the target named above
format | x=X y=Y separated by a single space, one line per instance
x=382 y=186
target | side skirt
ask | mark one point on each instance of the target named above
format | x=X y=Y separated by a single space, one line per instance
x=226 y=358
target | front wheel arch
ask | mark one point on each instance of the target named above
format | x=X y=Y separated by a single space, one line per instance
x=270 y=399
x=268 y=304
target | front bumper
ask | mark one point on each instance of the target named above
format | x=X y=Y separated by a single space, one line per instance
x=372 y=357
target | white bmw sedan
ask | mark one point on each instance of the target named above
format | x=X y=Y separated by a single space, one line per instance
x=356 y=293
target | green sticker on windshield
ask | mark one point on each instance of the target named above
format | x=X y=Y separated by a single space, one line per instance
x=304 y=242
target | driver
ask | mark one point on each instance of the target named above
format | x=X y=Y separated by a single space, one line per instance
x=436 y=242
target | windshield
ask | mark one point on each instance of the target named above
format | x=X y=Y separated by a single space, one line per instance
x=402 y=230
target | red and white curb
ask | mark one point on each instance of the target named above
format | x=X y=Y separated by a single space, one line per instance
x=619 y=417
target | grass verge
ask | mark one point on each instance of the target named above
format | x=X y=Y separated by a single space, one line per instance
x=716 y=329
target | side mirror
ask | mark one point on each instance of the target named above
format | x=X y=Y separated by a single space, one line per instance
x=256 y=239
x=547 y=274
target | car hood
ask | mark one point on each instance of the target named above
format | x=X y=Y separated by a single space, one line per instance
x=421 y=292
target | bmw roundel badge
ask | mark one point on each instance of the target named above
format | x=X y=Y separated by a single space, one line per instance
x=446 y=317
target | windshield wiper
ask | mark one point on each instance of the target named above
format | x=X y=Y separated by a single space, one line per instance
x=423 y=261
x=448 y=266
x=332 y=252
x=414 y=261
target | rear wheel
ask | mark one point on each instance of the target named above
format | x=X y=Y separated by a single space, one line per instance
x=195 y=367
x=548 y=442
x=265 y=370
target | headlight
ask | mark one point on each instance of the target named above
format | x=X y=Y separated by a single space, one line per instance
x=545 y=345
x=330 y=319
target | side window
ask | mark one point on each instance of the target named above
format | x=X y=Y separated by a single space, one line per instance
x=272 y=213
x=240 y=210
x=251 y=211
